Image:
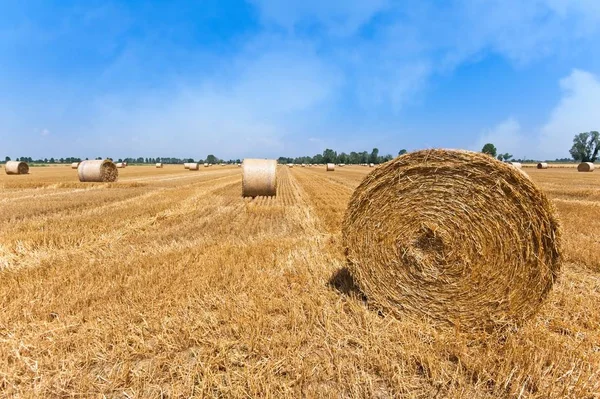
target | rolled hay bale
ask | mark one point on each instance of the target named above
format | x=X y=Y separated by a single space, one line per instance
x=455 y=237
x=186 y=165
x=371 y=165
x=74 y=165
x=542 y=165
x=159 y=165
x=290 y=165
x=341 y=165
x=259 y=177
x=120 y=165
x=98 y=171
x=330 y=167
x=582 y=167
x=16 y=168
x=517 y=165
x=194 y=166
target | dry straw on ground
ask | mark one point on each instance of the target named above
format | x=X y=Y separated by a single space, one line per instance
x=585 y=167
x=330 y=167
x=259 y=177
x=542 y=165
x=74 y=165
x=97 y=171
x=16 y=168
x=456 y=237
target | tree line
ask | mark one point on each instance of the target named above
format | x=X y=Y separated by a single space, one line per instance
x=140 y=160
x=331 y=156
x=586 y=147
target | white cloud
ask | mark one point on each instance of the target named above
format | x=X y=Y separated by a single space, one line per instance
x=576 y=112
x=45 y=132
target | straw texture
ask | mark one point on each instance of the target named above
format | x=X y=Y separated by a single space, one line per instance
x=585 y=167
x=330 y=167
x=455 y=237
x=16 y=168
x=542 y=165
x=97 y=171
x=259 y=177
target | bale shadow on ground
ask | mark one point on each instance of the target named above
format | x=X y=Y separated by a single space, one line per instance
x=343 y=282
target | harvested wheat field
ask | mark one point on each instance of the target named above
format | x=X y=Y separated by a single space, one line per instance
x=171 y=284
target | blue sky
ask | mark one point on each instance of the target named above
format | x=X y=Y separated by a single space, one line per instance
x=265 y=78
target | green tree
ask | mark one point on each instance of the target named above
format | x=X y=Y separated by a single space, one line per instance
x=212 y=159
x=504 y=157
x=489 y=149
x=329 y=156
x=586 y=146
x=373 y=158
x=402 y=152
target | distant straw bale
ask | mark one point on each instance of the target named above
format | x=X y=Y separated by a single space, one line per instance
x=159 y=165
x=97 y=171
x=542 y=165
x=455 y=237
x=259 y=177
x=16 y=168
x=517 y=165
x=585 y=167
x=120 y=165
x=74 y=165
x=194 y=166
x=330 y=167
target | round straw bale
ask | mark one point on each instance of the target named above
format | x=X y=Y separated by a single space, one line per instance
x=542 y=165
x=330 y=167
x=186 y=165
x=517 y=165
x=16 y=168
x=74 y=165
x=371 y=165
x=206 y=165
x=194 y=166
x=159 y=165
x=120 y=165
x=259 y=177
x=585 y=167
x=97 y=171
x=455 y=237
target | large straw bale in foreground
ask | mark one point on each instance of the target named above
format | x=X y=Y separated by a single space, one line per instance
x=259 y=177
x=456 y=237
x=585 y=167
x=97 y=171
x=330 y=167
x=16 y=168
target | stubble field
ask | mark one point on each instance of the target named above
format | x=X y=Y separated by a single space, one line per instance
x=169 y=284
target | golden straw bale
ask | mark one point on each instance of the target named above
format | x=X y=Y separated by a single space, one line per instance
x=330 y=167
x=194 y=166
x=159 y=165
x=517 y=165
x=97 y=171
x=542 y=165
x=259 y=177
x=585 y=167
x=74 y=165
x=16 y=168
x=455 y=237
x=120 y=165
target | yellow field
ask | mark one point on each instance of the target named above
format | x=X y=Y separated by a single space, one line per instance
x=169 y=283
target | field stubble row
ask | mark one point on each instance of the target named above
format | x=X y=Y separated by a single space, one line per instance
x=169 y=282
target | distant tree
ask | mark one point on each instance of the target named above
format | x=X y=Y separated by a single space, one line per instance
x=373 y=158
x=504 y=157
x=212 y=159
x=586 y=146
x=329 y=156
x=402 y=152
x=489 y=149
x=6 y=159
